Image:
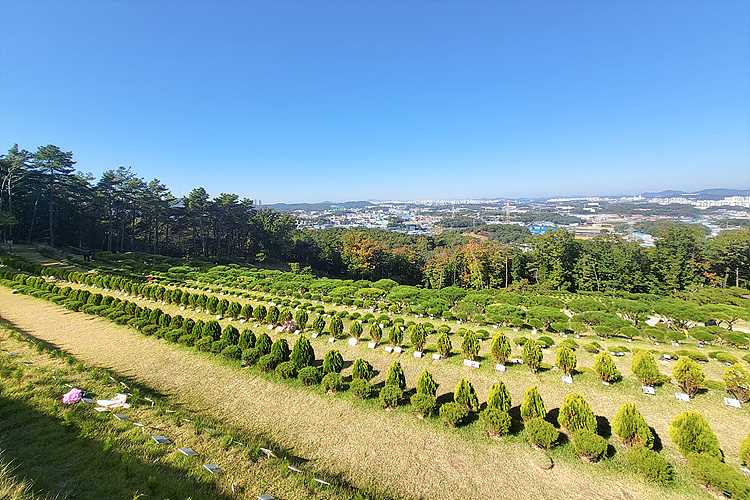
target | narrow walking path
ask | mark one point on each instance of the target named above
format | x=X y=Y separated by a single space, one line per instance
x=365 y=446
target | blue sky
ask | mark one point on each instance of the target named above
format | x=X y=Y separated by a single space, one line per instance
x=310 y=101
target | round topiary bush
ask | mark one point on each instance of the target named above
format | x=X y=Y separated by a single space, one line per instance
x=203 y=343
x=650 y=464
x=500 y=348
x=391 y=396
x=532 y=355
x=309 y=375
x=453 y=414
x=424 y=404
x=576 y=414
x=362 y=370
x=332 y=382
x=266 y=363
x=230 y=335
x=691 y=434
x=333 y=362
x=712 y=472
x=605 y=368
x=630 y=426
x=231 y=352
x=565 y=359
x=495 y=422
x=644 y=367
x=688 y=375
x=589 y=445
x=465 y=394
x=395 y=376
x=541 y=433
x=737 y=381
x=532 y=405
x=360 y=388
x=286 y=370
x=499 y=397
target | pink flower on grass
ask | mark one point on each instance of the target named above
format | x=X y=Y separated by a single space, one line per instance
x=72 y=397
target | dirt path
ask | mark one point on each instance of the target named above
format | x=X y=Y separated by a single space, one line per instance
x=394 y=449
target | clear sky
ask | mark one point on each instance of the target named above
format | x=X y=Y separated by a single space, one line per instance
x=343 y=100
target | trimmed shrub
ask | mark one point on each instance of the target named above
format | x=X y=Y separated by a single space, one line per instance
x=444 y=345
x=355 y=330
x=187 y=339
x=250 y=356
x=692 y=434
x=231 y=352
x=362 y=370
x=745 y=451
x=650 y=464
x=217 y=346
x=360 y=388
x=302 y=353
x=309 y=375
x=737 y=381
x=230 y=335
x=605 y=368
x=272 y=316
x=423 y=403
x=532 y=405
x=630 y=426
x=453 y=414
x=332 y=382
x=470 y=345
x=280 y=350
x=212 y=329
x=337 y=327
x=418 y=337
x=391 y=396
x=576 y=414
x=259 y=313
x=395 y=335
x=714 y=473
x=499 y=397
x=465 y=394
x=202 y=344
x=532 y=355
x=266 y=363
x=500 y=348
x=395 y=376
x=495 y=422
x=565 y=359
x=247 y=339
x=333 y=362
x=375 y=332
x=644 y=367
x=689 y=375
x=541 y=433
x=426 y=384
x=263 y=344
x=286 y=370
x=589 y=445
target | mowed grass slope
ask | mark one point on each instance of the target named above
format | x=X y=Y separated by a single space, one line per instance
x=409 y=457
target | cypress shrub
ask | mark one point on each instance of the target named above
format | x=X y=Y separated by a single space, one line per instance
x=588 y=445
x=630 y=426
x=644 y=367
x=499 y=397
x=203 y=344
x=333 y=362
x=285 y=316
x=187 y=339
x=650 y=464
x=217 y=346
x=360 y=388
x=309 y=375
x=532 y=355
x=233 y=311
x=689 y=375
x=231 y=352
x=362 y=370
x=355 y=329
x=212 y=329
x=375 y=332
x=576 y=414
x=426 y=384
x=565 y=359
x=541 y=433
x=247 y=339
x=337 y=327
x=272 y=316
x=692 y=434
x=500 y=348
x=453 y=414
x=246 y=311
x=230 y=335
x=423 y=403
x=745 y=451
x=151 y=329
x=302 y=353
x=280 y=350
x=332 y=382
x=263 y=344
x=465 y=394
x=319 y=325
x=286 y=370
x=250 y=356
x=470 y=345
x=444 y=345
x=395 y=376
x=737 y=381
x=266 y=363
x=301 y=319
x=532 y=405
x=711 y=471
x=605 y=368
x=395 y=335
x=259 y=313
x=391 y=395
x=496 y=422
x=418 y=337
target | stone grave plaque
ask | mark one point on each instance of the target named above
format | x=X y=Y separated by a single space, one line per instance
x=268 y=452
x=352 y=342
x=331 y=340
x=388 y=348
x=732 y=402
x=138 y=424
x=314 y=335
x=681 y=396
x=212 y=468
x=397 y=350
x=269 y=327
x=604 y=382
x=436 y=357
x=161 y=439
x=294 y=469
x=218 y=317
x=619 y=354
x=516 y=361
x=121 y=417
x=88 y=401
x=371 y=345
x=649 y=390
x=499 y=367
x=675 y=344
x=417 y=354
x=471 y=364
x=242 y=321
x=188 y=452
x=320 y=481
x=566 y=379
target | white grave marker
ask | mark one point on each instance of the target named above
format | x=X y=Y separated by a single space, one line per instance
x=567 y=379
x=353 y=341
x=604 y=382
x=314 y=335
x=417 y=354
x=436 y=357
x=732 y=402
x=681 y=396
x=188 y=452
x=294 y=469
x=388 y=349
x=371 y=345
x=397 y=350
x=647 y=389
x=331 y=340
x=499 y=367
x=471 y=364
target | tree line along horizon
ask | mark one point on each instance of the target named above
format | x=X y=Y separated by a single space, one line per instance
x=44 y=199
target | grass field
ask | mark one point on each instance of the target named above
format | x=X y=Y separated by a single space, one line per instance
x=406 y=456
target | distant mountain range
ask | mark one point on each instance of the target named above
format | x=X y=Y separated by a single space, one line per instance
x=703 y=194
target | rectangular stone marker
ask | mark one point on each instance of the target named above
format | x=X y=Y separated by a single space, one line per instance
x=188 y=452
x=137 y=424
x=212 y=468
x=471 y=364
x=314 y=335
x=733 y=403
x=681 y=396
x=293 y=469
x=566 y=379
x=675 y=344
x=647 y=389
x=120 y=416
x=436 y=357
x=218 y=317
x=320 y=481
x=604 y=382
x=371 y=345
x=352 y=342
x=266 y=497
x=397 y=350
x=516 y=361
x=417 y=354
x=242 y=321
x=745 y=471
x=388 y=348
x=331 y=340
x=161 y=439
x=268 y=452
x=88 y=401
x=499 y=367
x=619 y=354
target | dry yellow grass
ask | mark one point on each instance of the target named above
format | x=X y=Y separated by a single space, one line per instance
x=395 y=450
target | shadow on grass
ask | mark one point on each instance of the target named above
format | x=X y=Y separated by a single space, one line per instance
x=59 y=461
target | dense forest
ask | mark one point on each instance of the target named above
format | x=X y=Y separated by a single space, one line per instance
x=44 y=199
